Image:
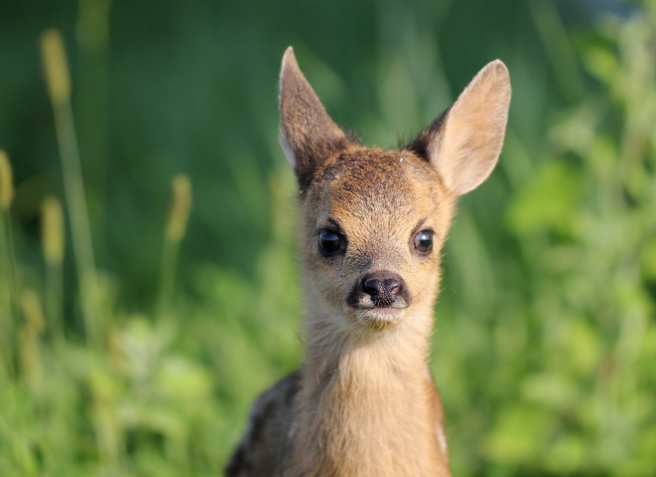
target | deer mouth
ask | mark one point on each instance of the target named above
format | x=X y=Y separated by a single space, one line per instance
x=380 y=318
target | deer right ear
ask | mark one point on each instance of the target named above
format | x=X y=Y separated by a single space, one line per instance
x=307 y=134
x=465 y=142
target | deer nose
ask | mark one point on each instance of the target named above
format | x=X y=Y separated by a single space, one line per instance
x=381 y=285
x=379 y=289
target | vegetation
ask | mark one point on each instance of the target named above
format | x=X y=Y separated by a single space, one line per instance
x=127 y=348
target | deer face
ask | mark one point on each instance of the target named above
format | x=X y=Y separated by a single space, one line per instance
x=374 y=221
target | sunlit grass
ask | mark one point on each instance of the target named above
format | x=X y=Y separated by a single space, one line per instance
x=545 y=343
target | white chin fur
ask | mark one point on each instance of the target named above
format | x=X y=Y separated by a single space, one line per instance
x=380 y=318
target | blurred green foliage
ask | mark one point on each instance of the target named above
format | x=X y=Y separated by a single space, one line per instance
x=545 y=344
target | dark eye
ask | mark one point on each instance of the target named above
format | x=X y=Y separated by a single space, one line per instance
x=424 y=241
x=329 y=242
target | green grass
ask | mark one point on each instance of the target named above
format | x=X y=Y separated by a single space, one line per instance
x=545 y=340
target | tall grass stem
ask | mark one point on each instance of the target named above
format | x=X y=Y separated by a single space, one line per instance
x=31 y=330
x=52 y=237
x=9 y=302
x=91 y=102
x=59 y=87
x=176 y=228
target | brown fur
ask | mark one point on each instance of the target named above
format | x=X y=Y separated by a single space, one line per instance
x=364 y=403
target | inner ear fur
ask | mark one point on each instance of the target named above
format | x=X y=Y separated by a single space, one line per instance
x=465 y=142
x=307 y=134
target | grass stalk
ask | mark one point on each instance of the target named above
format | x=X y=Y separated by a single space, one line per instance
x=9 y=300
x=59 y=88
x=167 y=275
x=91 y=103
x=176 y=228
x=32 y=329
x=52 y=236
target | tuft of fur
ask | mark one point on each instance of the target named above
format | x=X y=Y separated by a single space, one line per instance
x=363 y=403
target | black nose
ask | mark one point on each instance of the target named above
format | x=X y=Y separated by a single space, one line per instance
x=373 y=286
x=380 y=289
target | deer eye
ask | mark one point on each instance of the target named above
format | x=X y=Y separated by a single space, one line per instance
x=329 y=242
x=424 y=242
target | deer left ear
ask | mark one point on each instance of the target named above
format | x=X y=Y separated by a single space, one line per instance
x=307 y=134
x=465 y=142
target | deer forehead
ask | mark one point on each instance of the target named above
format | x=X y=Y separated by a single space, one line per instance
x=377 y=194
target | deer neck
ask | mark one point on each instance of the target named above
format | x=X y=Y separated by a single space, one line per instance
x=367 y=405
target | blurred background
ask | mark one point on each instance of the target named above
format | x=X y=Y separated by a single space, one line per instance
x=133 y=338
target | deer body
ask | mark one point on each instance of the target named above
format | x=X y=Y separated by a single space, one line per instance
x=372 y=225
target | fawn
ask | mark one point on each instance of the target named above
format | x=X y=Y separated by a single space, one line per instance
x=372 y=226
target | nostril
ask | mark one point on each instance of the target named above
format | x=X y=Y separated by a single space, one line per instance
x=372 y=286
x=393 y=285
